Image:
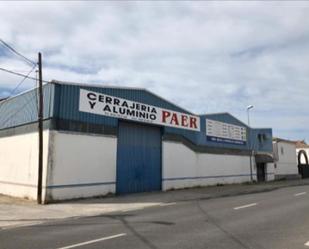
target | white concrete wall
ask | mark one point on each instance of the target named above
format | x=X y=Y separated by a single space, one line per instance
x=287 y=160
x=182 y=167
x=270 y=169
x=81 y=165
x=19 y=164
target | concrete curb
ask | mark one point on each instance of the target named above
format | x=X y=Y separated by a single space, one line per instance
x=253 y=191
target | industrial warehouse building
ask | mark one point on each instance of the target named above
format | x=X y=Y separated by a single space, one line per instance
x=100 y=140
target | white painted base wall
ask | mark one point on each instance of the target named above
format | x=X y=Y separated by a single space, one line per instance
x=270 y=169
x=182 y=167
x=286 y=163
x=19 y=164
x=81 y=165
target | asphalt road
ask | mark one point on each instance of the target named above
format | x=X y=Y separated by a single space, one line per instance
x=276 y=219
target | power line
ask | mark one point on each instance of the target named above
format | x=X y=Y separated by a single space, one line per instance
x=17 y=53
x=3 y=123
x=15 y=73
x=26 y=77
x=19 y=74
x=40 y=112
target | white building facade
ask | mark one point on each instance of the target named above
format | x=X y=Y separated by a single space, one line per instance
x=104 y=140
x=285 y=159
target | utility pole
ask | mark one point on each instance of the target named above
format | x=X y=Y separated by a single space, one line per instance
x=251 y=149
x=40 y=121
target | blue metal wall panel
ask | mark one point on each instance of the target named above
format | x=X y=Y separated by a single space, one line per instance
x=138 y=158
x=261 y=140
x=65 y=109
x=67 y=101
x=62 y=101
x=226 y=118
x=67 y=104
x=252 y=134
x=22 y=109
x=199 y=138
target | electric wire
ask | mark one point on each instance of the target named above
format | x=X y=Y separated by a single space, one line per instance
x=20 y=74
x=25 y=76
x=16 y=73
x=4 y=122
x=25 y=59
x=22 y=81
x=3 y=103
x=17 y=53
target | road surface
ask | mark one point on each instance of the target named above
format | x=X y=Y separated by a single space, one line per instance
x=276 y=219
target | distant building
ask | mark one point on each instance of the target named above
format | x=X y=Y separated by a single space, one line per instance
x=285 y=163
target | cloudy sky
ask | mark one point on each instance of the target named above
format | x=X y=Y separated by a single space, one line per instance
x=205 y=56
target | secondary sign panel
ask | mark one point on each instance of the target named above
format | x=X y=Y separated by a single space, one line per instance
x=221 y=132
x=107 y=105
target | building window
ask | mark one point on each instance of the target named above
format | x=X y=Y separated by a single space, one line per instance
x=262 y=137
x=282 y=151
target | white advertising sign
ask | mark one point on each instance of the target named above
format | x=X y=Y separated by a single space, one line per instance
x=217 y=131
x=107 y=105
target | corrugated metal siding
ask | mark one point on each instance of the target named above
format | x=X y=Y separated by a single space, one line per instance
x=62 y=101
x=199 y=138
x=22 y=109
x=226 y=118
x=67 y=101
x=67 y=104
x=261 y=145
x=253 y=142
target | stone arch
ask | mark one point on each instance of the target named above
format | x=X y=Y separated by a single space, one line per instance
x=300 y=153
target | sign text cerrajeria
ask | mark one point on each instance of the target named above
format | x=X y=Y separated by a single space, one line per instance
x=107 y=105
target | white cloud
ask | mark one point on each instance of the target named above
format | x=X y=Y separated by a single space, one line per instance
x=205 y=56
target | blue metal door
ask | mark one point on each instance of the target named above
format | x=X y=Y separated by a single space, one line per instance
x=138 y=158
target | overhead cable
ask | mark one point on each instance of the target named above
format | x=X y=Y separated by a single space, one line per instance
x=17 y=53
x=26 y=77
x=19 y=74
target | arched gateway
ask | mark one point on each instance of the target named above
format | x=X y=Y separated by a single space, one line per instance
x=303 y=167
